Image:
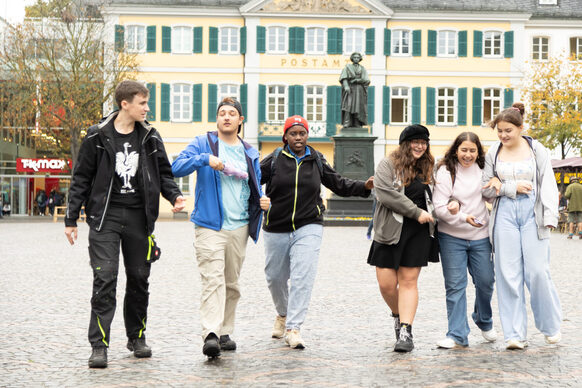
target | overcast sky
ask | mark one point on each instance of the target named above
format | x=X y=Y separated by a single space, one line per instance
x=13 y=10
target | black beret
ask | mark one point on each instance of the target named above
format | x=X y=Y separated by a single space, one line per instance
x=412 y=132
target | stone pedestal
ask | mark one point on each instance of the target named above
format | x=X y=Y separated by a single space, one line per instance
x=354 y=159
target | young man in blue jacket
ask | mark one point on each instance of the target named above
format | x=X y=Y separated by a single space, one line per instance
x=226 y=212
x=121 y=170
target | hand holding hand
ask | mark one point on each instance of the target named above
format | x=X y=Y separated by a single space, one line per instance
x=265 y=202
x=425 y=217
x=369 y=185
x=71 y=233
x=453 y=207
x=494 y=183
x=215 y=163
x=179 y=204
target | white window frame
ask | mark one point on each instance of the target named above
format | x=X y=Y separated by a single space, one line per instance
x=578 y=49
x=187 y=39
x=136 y=39
x=408 y=106
x=188 y=179
x=306 y=96
x=400 y=42
x=233 y=47
x=269 y=39
x=220 y=94
x=346 y=36
x=189 y=106
x=548 y=2
x=446 y=99
x=501 y=44
x=285 y=95
x=455 y=43
x=540 y=44
x=323 y=51
x=499 y=99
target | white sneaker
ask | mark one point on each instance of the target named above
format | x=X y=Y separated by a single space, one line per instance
x=490 y=335
x=293 y=339
x=554 y=339
x=279 y=327
x=515 y=344
x=448 y=343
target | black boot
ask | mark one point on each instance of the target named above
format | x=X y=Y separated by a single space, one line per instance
x=396 y=325
x=226 y=343
x=98 y=358
x=139 y=347
x=404 y=343
x=211 y=346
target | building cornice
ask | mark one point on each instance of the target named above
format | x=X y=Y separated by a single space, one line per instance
x=554 y=23
x=172 y=11
x=462 y=16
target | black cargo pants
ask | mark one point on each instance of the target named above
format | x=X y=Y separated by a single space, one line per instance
x=125 y=228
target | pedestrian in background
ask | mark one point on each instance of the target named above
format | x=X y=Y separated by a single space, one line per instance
x=41 y=201
x=518 y=175
x=293 y=225
x=227 y=211
x=574 y=196
x=121 y=170
x=403 y=226
x=464 y=239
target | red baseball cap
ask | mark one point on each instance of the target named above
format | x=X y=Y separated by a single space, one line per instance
x=294 y=120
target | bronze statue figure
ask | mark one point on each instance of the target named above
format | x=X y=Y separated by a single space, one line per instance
x=354 y=80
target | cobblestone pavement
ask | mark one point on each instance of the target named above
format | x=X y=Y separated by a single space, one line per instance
x=45 y=288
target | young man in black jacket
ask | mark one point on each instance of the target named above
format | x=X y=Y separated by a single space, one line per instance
x=120 y=172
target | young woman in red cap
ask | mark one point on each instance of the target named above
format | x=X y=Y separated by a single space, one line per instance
x=293 y=224
x=403 y=226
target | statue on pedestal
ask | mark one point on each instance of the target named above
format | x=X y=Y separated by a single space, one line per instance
x=354 y=80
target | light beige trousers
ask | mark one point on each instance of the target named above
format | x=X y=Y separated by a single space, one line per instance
x=220 y=255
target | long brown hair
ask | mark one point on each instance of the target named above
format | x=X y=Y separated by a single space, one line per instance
x=450 y=159
x=407 y=168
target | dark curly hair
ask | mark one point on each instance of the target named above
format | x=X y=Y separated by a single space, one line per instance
x=407 y=168
x=450 y=159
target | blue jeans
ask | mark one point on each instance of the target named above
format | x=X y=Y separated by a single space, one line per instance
x=520 y=257
x=292 y=256
x=458 y=255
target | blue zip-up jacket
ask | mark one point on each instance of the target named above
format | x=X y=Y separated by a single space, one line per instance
x=208 y=211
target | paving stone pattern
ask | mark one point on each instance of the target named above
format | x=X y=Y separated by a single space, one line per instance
x=45 y=287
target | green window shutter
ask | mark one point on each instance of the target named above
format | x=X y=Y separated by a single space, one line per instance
x=166 y=39
x=507 y=98
x=151 y=39
x=152 y=102
x=370 y=40
x=299 y=40
x=339 y=44
x=197 y=103
x=262 y=103
x=415 y=105
x=261 y=42
x=416 y=43
x=338 y=104
x=430 y=106
x=213 y=43
x=165 y=103
x=212 y=103
x=477 y=44
x=386 y=105
x=292 y=40
x=244 y=99
x=462 y=43
x=371 y=104
x=331 y=40
x=333 y=101
x=462 y=109
x=197 y=34
x=387 y=42
x=291 y=100
x=508 y=38
x=299 y=100
x=243 y=40
x=119 y=37
x=477 y=121
x=432 y=43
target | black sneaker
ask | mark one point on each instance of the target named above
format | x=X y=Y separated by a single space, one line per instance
x=404 y=343
x=98 y=358
x=226 y=343
x=396 y=325
x=139 y=347
x=211 y=346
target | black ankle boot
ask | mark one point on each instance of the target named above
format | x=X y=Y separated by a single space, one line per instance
x=404 y=342
x=211 y=346
x=98 y=358
x=396 y=325
x=139 y=347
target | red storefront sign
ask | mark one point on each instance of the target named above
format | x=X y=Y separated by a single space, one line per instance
x=43 y=165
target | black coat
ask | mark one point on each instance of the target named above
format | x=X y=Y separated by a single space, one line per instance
x=95 y=168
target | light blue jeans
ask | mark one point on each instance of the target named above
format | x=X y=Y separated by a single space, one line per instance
x=520 y=257
x=292 y=256
x=457 y=256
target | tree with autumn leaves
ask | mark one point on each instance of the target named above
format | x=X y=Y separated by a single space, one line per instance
x=552 y=90
x=60 y=67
